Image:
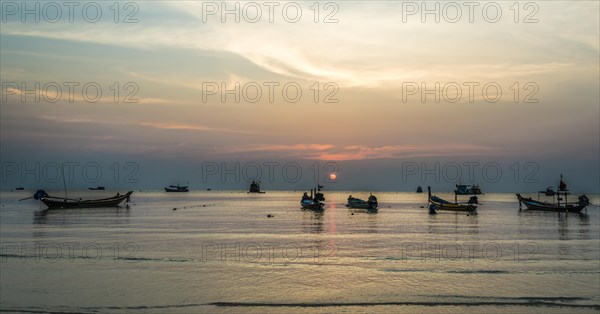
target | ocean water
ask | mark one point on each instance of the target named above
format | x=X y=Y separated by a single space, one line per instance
x=219 y=252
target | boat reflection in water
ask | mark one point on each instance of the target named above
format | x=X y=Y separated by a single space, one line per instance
x=313 y=222
x=77 y=216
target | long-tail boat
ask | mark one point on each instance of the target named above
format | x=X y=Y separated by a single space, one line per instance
x=532 y=204
x=575 y=207
x=314 y=201
x=371 y=204
x=57 y=202
x=436 y=203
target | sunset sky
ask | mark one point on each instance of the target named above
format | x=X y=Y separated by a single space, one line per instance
x=371 y=54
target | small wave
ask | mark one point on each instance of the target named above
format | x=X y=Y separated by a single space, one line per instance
x=396 y=270
x=539 y=303
x=147 y=259
x=14 y=256
x=66 y=257
x=554 y=299
x=556 y=302
x=390 y=258
x=483 y=271
x=96 y=309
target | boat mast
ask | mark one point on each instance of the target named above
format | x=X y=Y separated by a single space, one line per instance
x=562 y=187
x=62 y=170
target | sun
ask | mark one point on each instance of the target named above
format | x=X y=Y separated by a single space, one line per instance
x=332 y=176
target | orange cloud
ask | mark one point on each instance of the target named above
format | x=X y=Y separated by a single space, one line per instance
x=358 y=152
x=189 y=127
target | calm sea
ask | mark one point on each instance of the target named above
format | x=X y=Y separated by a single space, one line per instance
x=219 y=252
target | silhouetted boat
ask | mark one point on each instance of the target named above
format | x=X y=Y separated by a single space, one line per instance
x=531 y=204
x=176 y=188
x=56 y=202
x=98 y=188
x=549 y=191
x=370 y=204
x=255 y=187
x=419 y=189
x=436 y=203
x=314 y=201
x=464 y=189
x=19 y=189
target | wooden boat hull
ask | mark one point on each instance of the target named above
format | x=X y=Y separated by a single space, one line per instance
x=454 y=207
x=176 y=190
x=532 y=204
x=362 y=205
x=59 y=203
x=468 y=192
x=436 y=204
x=319 y=206
x=255 y=188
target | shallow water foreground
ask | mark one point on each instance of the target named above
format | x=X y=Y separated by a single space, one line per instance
x=219 y=252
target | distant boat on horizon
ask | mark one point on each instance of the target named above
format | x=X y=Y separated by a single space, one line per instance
x=419 y=189
x=549 y=191
x=98 y=188
x=19 y=189
x=465 y=189
x=177 y=188
x=255 y=187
